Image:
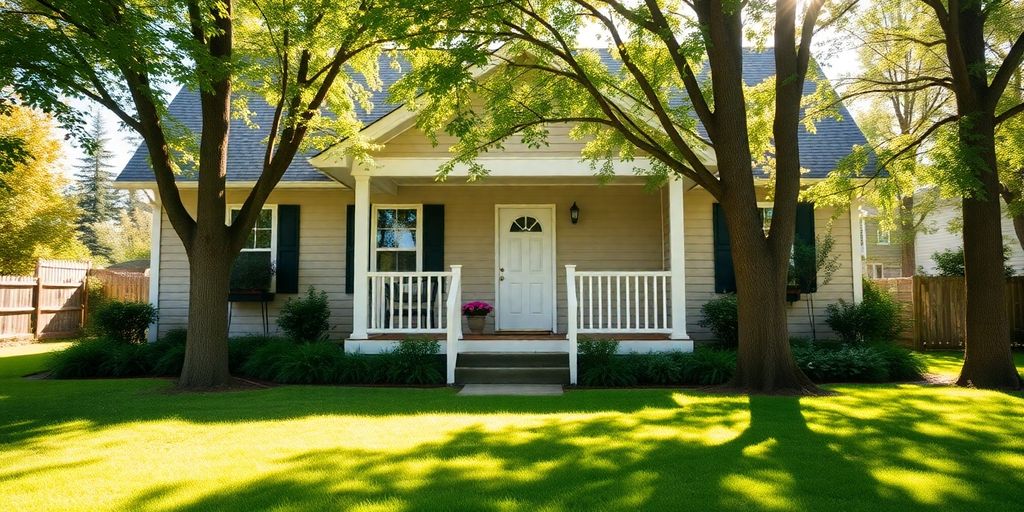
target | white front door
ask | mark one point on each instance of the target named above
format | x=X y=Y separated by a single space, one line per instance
x=525 y=269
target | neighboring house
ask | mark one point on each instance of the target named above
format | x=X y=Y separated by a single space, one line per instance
x=945 y=233
x=883 y=254
x=394 y=249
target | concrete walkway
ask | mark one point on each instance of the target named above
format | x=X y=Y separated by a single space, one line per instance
x=512 y=389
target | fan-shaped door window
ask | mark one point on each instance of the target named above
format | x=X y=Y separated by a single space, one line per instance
x=525 y=225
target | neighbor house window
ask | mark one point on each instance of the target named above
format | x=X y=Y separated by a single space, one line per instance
x=876 y=270
x=397 y=242
x=883 y=237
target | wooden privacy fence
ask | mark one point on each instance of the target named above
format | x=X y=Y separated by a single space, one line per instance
x=935 y=309
x=122 y=285
x=50 y=304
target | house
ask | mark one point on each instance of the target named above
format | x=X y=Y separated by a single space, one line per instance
x=882 y=250
x=944 y=233
x=557 y=253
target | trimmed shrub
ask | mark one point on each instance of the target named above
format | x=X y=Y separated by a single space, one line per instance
x=264 y=362
x=101 y=357
x=876 y=319
x=849 y=363
x=124 y=321
x=707 y=367
x=660 y=368
x=240 y=349
x=903 y=365
x=876 y=362
x=127 y=360
x=310 y=363
x=721 y=316
x=599 y=366
x=414 y=361
x=305 y=319
x=167 y=355
x=82 y=359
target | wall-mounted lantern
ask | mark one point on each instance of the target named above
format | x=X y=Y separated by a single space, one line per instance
x=574 y=213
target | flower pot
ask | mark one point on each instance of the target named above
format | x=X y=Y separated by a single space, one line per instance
x=793 y=293
x=476 y=323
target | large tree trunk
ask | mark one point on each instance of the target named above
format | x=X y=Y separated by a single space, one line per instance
x=908 y=238
x=206 y=350
x=764 y=361
x=988 y=362
x=908 y=256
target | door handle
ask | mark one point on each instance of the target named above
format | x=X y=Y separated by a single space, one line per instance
x=501 y=278
x=502 y=269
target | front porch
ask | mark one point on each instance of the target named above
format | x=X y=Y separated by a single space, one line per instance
x=548 y=290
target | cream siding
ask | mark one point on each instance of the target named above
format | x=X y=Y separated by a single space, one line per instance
x=415 y=143
x=944 y=233
x=321 y=262
x=700 y=267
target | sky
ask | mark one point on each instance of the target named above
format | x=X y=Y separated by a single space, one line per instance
x=836 y=63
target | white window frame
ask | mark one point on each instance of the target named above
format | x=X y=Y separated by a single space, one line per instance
x=273 y=237
x=373 y=233
x=878 y=237
x=872 y=267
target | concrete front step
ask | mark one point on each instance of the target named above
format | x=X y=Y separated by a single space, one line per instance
x=513 y=360
x=492 y=375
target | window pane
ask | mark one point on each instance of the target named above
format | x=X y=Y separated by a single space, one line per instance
x=405 y=218
x=406 y=261
x=396 y=261
x=266 y=219
x=250 y=241
x=386 y=239
x=396 y=239
x=263 y=238
x=406 y=239
x=385 y=218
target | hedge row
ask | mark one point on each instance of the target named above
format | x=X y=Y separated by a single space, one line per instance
x=414 y=362
x=821 y=362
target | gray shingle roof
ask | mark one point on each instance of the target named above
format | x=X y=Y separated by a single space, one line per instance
x=819 y=152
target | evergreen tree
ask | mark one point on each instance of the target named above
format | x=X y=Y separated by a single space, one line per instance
x=93 y=189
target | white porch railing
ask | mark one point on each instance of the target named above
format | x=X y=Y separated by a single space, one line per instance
x=419 y=302
x=615 y=301
x=409 y=302
x=609 y=302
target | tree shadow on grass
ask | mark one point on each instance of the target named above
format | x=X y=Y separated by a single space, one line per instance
x=706 y=453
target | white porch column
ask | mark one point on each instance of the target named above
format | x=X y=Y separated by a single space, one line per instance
x=361 y=257
x=677 y=263
x=154 y=262
x=857 y=255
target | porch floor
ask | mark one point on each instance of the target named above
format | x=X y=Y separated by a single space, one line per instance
x=527 y=335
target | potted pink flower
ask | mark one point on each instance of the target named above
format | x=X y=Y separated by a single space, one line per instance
x=476 y=315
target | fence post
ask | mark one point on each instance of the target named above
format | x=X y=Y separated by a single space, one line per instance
x=915 y=297
x=85 y=295
x=37 y=301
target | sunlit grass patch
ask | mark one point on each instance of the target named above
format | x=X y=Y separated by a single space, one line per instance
x=127 y=445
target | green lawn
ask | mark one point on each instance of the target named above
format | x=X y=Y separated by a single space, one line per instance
x=127 y=444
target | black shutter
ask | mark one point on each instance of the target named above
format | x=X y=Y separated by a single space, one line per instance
x=433 y=237
x=725 y=275
x=805 y=235
x=288 y=248
x=350 y=248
